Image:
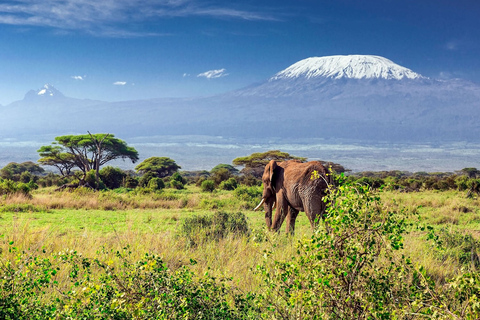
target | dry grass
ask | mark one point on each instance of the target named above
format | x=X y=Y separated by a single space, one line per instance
x=234 y=257
x=48 y=199
x=134 y=220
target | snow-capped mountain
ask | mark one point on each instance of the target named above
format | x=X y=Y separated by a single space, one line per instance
x=350 y=97
x=349 y=67
x=47 y=91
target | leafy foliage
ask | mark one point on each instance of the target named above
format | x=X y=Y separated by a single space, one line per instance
x=96 y=289
x=85 y=152
x=156 y=184
x=351 y=271
x=229 y=184
x=160 y=166
x=256 y=162
x=228 y=167
x=112 y=177
x=21 y=171
x=8 y=187
x=208 y=185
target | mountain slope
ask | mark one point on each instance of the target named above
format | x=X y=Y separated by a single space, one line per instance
x=349 y=97
x=350 y=67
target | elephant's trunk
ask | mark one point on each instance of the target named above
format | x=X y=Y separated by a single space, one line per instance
x=260 y=204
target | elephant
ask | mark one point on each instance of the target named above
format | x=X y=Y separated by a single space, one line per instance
x=290 y=187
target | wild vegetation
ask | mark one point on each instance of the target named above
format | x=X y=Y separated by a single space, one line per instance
x=165 y=244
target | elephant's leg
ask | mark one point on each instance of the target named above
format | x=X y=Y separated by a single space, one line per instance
x=315 y=210
x=280 y=213
x=268 y=212
x=291 y=217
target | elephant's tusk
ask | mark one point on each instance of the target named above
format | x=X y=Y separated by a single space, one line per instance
x=274 y=206
x=261 y=202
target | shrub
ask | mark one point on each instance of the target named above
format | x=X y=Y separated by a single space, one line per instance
x=112 y=177
x=145 y=179
x=176 y=184
x=177 y=177
x=130 y=182
x=156 y=184
x=198 y=229
x=350 y=271
x=229 y=184
x=91 y=179
x=142 y=289
x=220 y=175
x=11 y=187
x=251 y=195
x=208 y=185
x=177 y=181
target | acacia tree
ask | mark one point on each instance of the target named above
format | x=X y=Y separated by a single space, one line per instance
x=158 y=166
x=256 y=162
x=85 y=152
x=55 y=156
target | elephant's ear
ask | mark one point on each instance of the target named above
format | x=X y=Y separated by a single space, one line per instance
x=273 y=166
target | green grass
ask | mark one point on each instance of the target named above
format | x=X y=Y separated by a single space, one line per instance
x=99 y=224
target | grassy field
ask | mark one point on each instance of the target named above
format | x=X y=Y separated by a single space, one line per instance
x=101 y=224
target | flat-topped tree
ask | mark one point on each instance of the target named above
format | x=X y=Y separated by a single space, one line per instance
x=256 y=162
x=159 y=167
x=85 y=152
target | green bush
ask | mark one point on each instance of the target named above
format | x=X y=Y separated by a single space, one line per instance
x=156 y=184
x=175 y=184
x=208 y=185
x=352 y=270
x=178 y=177
x=229 y=184
x=130 y=182
x=145 y=179
x=11 y=187
x=251 y=195
x=143 y=289
x=220 y=175
x=112 y=177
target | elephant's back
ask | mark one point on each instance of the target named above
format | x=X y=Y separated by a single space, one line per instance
x=306 y=172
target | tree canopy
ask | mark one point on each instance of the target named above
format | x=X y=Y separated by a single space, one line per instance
x=158 y=166
x=256 y=162
x=261 y=159
x=14 y=171
x=228 y=167
x=85 y=152
x=18 y=168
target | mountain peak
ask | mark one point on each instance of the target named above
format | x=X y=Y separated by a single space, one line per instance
x=47 y=91
x=350 y=67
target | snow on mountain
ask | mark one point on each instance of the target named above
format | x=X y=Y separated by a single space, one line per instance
x=351 y=67
x=348 y=97
x=46 y=91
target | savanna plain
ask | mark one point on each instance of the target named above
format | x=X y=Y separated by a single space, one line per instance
x=388 y=249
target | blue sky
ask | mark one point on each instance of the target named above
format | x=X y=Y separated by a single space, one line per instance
x=127 y=49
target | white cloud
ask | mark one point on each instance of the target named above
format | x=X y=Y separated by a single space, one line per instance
x=79 y=77
x=186 y=75
x=109 y=17
x=119 y=83
x=212 y=74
